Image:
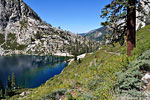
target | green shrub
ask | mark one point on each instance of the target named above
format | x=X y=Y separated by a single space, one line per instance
x=21 y=47
x=11 y=36
x=143 y=43
x=54 y=95
x=86 y=96
x=23 y=23
x=2 y=38
x=38 y=35
x=129 y=79
x=69 y=97
x=12 y=44
x=145 y=56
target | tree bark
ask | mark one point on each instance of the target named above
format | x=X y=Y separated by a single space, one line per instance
x=131 y=26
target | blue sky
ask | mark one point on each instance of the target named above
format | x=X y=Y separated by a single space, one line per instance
x=77 y=16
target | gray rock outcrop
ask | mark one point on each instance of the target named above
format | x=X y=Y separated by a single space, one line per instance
x=145 y=20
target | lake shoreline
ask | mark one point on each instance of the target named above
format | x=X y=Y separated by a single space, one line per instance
x=25 y=54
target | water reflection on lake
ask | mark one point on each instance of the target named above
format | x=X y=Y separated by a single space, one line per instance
x=30 y=71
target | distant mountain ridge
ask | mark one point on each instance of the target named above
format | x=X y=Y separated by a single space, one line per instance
x=96 y=34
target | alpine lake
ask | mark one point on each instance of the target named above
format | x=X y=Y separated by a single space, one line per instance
x=30 y=71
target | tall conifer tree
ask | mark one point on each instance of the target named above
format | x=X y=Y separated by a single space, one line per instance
x=1 y=94
x=121 y=18
x=9 y=82
x=6 y=92
x=1 y=89
x=13 y=83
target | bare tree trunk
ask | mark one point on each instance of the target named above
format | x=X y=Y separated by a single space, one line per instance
x=131 y=26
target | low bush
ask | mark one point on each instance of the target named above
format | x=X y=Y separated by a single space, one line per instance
x=129 y=80
x=54 y=95
x=2 y=38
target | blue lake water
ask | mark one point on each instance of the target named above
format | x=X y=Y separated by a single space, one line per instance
x=30 y=71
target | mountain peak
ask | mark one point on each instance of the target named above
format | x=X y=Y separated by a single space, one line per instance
x=14 y=10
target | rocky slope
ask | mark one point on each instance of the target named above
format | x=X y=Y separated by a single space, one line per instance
x=22 y=31
x=96 y=34
x=145 y=20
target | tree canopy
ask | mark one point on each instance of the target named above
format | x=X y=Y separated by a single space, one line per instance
x=121 y=17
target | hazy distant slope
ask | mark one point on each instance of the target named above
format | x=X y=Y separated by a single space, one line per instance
x=96 y=34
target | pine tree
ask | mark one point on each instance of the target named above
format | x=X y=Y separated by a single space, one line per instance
x=1 y=94
x=75 y=57
x=87 y=48
x=13 y=83
x=121 y=18
x=6 y=92
x=9 y=82
x=1 y=90
x=131 y=26
x=1 y=87
x=79 y=61
x=76 y=46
